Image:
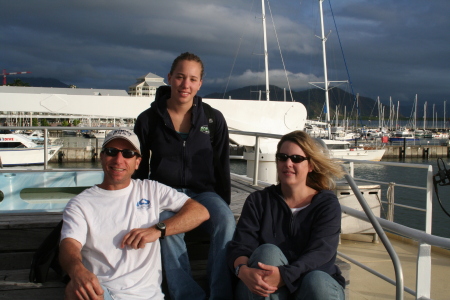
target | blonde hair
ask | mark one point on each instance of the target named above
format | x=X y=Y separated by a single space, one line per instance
x=324 y=169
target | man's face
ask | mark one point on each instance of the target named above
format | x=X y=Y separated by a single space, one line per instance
x=117 y=169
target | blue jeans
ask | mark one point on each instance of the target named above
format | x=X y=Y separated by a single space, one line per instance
x=220 y=228
x=316 y=285
x=106 y=294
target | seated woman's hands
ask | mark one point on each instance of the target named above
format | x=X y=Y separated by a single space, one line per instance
x=261 y=282
x=273 y=278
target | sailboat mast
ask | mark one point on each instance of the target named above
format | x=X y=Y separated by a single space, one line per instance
x=445 y=102
x=415 y=114
x=325 y=73
x=266 y=55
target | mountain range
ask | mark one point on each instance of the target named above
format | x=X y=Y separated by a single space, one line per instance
x=313 y=99
x=38 y=81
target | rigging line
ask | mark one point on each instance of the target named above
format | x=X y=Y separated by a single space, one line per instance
x=234 y=61
x=343 y=56
x=232 y=68
x=279 y=48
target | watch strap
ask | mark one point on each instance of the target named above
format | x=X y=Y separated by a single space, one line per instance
x=161 y=227
x=237 y=269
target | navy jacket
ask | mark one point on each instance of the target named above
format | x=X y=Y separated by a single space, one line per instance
x=309 y=240
x=183 y=163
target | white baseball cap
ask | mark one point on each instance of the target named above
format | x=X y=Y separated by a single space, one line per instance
x=125 y=134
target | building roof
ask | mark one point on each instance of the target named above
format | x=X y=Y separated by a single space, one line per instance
x=150 y=80
x=150 y=77
x=64 y=91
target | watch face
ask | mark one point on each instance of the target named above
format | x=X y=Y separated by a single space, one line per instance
x=161 y=225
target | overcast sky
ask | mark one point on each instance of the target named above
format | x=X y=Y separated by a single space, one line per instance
x=392 y=48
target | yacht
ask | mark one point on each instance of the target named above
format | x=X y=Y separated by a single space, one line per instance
x=17 y=149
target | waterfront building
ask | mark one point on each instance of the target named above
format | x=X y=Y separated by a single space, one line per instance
x=146 y=86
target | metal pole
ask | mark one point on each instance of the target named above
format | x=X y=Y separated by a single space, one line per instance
x=325 y=73
x=45 y=149
x=256 y=166
x=266 y=55
x=384 y=239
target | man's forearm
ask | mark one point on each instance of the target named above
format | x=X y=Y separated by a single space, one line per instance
x=70 y=256
x=191 y=215
x=82 y=281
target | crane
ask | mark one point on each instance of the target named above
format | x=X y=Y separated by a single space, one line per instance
x=12 y=73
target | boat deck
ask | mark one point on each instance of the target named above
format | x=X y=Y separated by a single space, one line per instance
x=16 y=254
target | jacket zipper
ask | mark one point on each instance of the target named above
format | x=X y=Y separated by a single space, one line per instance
x=184 y=164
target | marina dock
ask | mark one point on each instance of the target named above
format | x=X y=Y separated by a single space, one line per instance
x=91 y=153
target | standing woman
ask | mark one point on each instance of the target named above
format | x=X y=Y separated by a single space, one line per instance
x=286 y=239
x=176 y=129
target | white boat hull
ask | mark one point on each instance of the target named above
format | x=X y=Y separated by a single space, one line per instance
x=358 y=154
x=27 y=156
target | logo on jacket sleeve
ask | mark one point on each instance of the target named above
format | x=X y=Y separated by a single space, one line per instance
x=143 y=204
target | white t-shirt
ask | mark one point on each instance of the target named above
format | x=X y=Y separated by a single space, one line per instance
x=99 y=219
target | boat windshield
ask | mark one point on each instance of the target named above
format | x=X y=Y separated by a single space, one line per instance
x=12 y=145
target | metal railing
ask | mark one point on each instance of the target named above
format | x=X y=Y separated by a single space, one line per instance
x=47 y=129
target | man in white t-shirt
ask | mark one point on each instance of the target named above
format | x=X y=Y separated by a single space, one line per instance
x=110 y=236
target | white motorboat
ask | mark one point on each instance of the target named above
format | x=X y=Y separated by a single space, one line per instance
x=17 y=149
x=345 y=150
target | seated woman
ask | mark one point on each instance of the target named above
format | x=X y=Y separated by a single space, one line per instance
x=286 y=240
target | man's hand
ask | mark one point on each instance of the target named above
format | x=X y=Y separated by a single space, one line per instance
x=138 y=237
x=254 y=279
x=273 y=278
x=84 y=286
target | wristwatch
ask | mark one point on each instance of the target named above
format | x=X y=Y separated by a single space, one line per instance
x=161 y=227
x=238 y=267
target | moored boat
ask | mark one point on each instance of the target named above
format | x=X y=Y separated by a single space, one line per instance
x=345 y=150
x=17 y=150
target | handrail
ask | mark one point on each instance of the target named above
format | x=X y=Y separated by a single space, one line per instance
x=384 y=239
x=428 y=188
x=257 y=135
x=412 y=233
x=52 y=128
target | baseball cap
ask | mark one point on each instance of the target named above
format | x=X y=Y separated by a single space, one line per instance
x=125 y=134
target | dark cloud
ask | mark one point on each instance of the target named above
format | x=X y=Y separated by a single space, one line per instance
x=392 y=48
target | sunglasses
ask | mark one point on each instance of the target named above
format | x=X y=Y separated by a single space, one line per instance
x=126 y=153
x=296 y=159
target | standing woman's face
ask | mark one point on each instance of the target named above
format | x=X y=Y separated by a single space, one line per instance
x=185 y=81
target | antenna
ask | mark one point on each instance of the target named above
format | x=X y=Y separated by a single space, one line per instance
x=11 y=73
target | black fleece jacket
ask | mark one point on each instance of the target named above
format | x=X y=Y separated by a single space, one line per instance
x=183 y=163
x=309 y=240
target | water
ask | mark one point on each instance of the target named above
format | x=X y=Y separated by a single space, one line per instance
x=406 y=196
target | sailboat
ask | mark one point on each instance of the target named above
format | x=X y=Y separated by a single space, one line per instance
x=339 y=148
